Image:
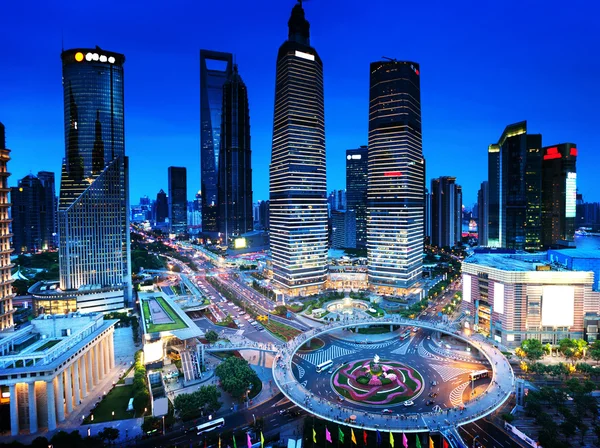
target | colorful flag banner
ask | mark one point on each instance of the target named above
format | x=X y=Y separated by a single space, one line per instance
x=353 y=437
x=365 y=436
x=328 y=435
x=234 y=444
x=418 y=445
x=314 y=436
x=262 y=440
x=431 y=445
x=404 y=440
x=340 y=435
x=445 y=444
x=378 y=438
x=249 y=440
x=391 y=439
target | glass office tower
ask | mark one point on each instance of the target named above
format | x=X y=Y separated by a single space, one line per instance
x=446 y=212
x=396 y=190
x=215 y=70
x=6 y=292
x=235 y=169
x=356 y=191
x=177 y=200
x=93 y=209
x=298 y=190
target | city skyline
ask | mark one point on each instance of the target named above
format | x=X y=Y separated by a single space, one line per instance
x=470 y=91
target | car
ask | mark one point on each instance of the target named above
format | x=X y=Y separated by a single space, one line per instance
x=330 y=371
x=430 y=402
x=415 y=329
x=340 y=398
x=448 y=346
x=386 y=411
x=429 y=337
x=408 y=403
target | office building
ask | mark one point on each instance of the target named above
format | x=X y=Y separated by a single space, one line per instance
x=343 y=229
x=396 y=177
x=215 y=70
x=515 y=189
x=6 y=293
x=263 y=213
x=161 y=207
x=50 y=366
x=446 y=212
x=356 y=191
x=177 y=200
x=298 y=184
x=482 y=213
x=235 y=170
x=33 y=213
x=544 y=296
x=93 y=208
x=559 y=190
x=337 y=200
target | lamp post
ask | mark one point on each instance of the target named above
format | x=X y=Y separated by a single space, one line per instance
x=163 y=422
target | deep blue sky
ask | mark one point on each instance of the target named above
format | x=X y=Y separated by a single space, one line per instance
x=484 y=65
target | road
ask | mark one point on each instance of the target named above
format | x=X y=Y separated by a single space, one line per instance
x=488 y=435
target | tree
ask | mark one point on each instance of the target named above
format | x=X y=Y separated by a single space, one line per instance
x=109 y=434
x=211 y=336
x=280 y=310
x=236 y=376
x=190 y=406
x=140 y=401
x=533 y=349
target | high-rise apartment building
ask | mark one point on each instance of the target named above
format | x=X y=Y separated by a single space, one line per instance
x=396 y=176
x=161 y=207
x=215 y=70
x=93 y=209
x=482 y=213
x=263 y=214
x=446 y=212
x=427 y=217
x=33 y=213
x=177 y=200
x=356 y=191
x=235 y=169
x=337 y=200
x=6 y=294
x=515 y=189
x=343 y=229
x=559 y=191
x=298 y=194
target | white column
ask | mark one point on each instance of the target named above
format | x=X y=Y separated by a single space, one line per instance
x=83 y=366
x=111 y=350
x=33 y=421
x=59 y=394
x=14 y=410
x=101 y=358
x=76 y=384
x=51 y=405
x=68 y=390
x=90 y=369
x=96 y=364
x=106 y=356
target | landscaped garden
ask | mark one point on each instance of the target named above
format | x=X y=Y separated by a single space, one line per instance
x=377 y=382
x=281 y=331
x=151 y=327
x=312 y=345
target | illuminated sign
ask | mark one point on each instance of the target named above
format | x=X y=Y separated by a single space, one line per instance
x=499 y=298
x=573 y=152
x=79 y=56
x=300 y=54
x=392 y=174
x=558 y=306
x=467 y=288
x=239 y=243
x=356 y=156
x=95 y=57
x=571 y=195
x=552 y=153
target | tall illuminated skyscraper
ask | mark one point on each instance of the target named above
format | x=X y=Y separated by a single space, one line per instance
x=177 y=199
x=356 y=191
x=298 y=190
x=6 y=293
x=446 y=212
x=93 y=209
x=215 y=69
x=395 y=195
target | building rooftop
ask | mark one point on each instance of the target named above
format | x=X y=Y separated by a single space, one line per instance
x=579 y=253
x=512 y=262
x=164 y=317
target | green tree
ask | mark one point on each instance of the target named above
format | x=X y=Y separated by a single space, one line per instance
x=533 y=349
x=190 y=406
x=109 y=435
x=236 y=376
x=141 y=400
x=280 y=310
x=211 y=336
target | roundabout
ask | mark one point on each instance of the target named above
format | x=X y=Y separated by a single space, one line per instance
x=409 y=380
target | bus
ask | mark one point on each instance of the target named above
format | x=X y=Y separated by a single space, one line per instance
x=405 y=335
x=324 y=366
x=479 y=374
x=210 y=425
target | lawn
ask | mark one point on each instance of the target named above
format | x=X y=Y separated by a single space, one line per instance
x=152 y=328
x=117 y=400
x=281 y=331
x=47 y=345
x=313 y=344
x=374 y=330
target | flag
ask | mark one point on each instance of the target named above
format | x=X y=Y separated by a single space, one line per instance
x=219 y=441
x=249 y=440
x=378 y=438
x=328 y=435
x=431 y=445
x=353 y=437
x=234 y=444
x=404 y=440
x=418 y=441
x=365 y=436
x=391 y=439
x=314 y=436
x=340 y=435
x=445 y=444
x=262 y=440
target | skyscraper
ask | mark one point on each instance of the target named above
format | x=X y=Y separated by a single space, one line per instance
x=93 y=209
x=235 y=169
x=161 y=207
x=356 y=191
x=482 y=213
x=6 y=294
x=177 y=200
x=298 y=195
x=396 y=176
x=515 y=189
x=559 y=190
x=343 y=229
x=446 y=212
x=215 y=70
x=33 y=201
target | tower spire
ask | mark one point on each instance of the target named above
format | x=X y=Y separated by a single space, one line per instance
x=299 y=28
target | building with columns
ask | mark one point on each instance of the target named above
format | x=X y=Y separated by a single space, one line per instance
x=49 y=367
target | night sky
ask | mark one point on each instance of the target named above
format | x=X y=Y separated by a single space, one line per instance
x=484 y=65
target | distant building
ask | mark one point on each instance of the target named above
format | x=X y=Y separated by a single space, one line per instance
x=427 y=225
x=263 y=216
x=33 y=213
x=177 y=200
x=161 y=207
x=343 y=229
x=559 y=190
x=482 y=213
x=337 y=200
x=446 y=212
x=6 y=294
x=356 y=191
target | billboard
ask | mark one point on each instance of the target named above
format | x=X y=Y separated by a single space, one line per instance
x=571 y=195
x=499 y=297
x=558 y=306
x=467 y=288
x=239 y=243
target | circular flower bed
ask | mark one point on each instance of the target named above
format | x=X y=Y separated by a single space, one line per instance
x=383 y=383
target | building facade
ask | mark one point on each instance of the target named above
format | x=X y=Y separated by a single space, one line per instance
x=559 y=190
x=396 y=176
x=356 y=191
x=50 y=366
x=161 y=207
x=33 y=213
x=446 y=212
x=482 y=213
x=6 y=293
x=298 y=195
x=343 y=229
x=235 y=165
x=93 y=208
x=177 y=200
x=215 y=69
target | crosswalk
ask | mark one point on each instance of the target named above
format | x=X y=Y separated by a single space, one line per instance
x=451 y=354
x=403 y=348
x=301 y=371
x=360 y=346
x=456 y=396
x=239 y=332
x=321 y=356
x=447 y=372
x=423 y=353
